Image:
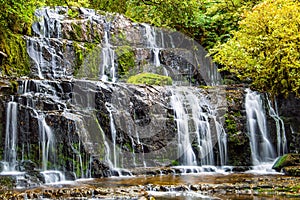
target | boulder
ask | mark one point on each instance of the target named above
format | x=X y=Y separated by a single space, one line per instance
x=287 y=160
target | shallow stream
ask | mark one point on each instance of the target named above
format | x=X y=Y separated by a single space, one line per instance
x=187 y=186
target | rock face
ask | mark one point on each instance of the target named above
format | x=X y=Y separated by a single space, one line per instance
x=239 y=152
x=94 y=45
x=76 y=115
x=288 y=164
x=289 y=110
x=65 y=119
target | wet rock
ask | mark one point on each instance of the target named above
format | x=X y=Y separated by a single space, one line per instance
x=99 y=169
x=291 y=170
x=286 y=161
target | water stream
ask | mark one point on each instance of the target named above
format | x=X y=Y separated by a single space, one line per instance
x=78 y=123
x=262 y=149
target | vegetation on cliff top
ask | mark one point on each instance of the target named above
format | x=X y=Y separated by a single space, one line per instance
x=265 y=49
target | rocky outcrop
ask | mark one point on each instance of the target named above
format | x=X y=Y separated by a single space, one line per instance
x=64 y=46
x=288 y=109
x=77 y=115
x=288 y=164
x=239 y=152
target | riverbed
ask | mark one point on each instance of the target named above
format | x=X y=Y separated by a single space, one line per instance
x=178 y=186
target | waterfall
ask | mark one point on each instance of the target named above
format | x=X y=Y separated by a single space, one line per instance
x=195 y=118
x=114 y=157
x=262 y=149
x=108 y=57
x=280 y=129
x=185 y=151
x=10 y=151
x=47 y=142
x=150 y=35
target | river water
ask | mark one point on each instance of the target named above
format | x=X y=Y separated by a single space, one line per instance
x=210 y=185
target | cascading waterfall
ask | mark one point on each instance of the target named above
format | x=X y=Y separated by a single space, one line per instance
x=113 y=158
x=47 y=142
x=47 y=59
x=193 y=114
x=10 y=154
x=262 y=149
x=151 y=43
x=182 y=119
x=108 y=57
x=280 y=129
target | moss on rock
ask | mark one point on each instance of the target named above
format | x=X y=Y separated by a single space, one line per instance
x=287 y=160
x=87 y=60
x=150 y=79
x=125 y=59
x=14 y=60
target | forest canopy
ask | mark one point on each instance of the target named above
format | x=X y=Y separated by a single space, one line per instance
x=265 y=50
x=256 y=41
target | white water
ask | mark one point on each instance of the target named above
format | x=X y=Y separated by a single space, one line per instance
x=280 y=129
x=53 y=176
x=108 y=56
x=10 y=151
x=151 y=38
x=112 y=157
x=262 y=149
x=193 y=117
x=47 y=142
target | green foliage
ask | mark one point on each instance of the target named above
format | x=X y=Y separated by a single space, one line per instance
x=125 y=59
x=178 y=14
x=150 y=79
x=219 y=17
x=77 y=34
x=15 y=20
x=118 y=6
x=73 y=13
x=286 y=160
x=265 y=49
x=87 y=60
x=175 y=163
x=17 y=15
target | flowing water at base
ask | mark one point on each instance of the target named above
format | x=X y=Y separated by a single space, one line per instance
x=181 y=187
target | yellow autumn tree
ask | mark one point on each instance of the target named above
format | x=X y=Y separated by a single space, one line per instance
x=266 y=48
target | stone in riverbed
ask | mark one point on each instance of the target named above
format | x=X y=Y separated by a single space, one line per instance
x=291 y=170
x=287 y=160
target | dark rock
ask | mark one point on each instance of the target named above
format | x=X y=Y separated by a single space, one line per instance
x=99 y=169
x=27 y=165
x=286 y=160
x=291 y=170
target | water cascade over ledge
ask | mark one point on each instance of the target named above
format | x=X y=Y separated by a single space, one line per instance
x=77 y=118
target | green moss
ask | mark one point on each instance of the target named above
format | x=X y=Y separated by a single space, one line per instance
x=150 y=79
x=174 y=162
x=77 y=32
x=14 y=86
x=16 y=61
x=206 y=87
x=72 y=13
x=87 y=60
x=230 y=124
x=128 y=147
x=125 y=60
x=7 y=182
x=119 y=38
x=286 y=160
